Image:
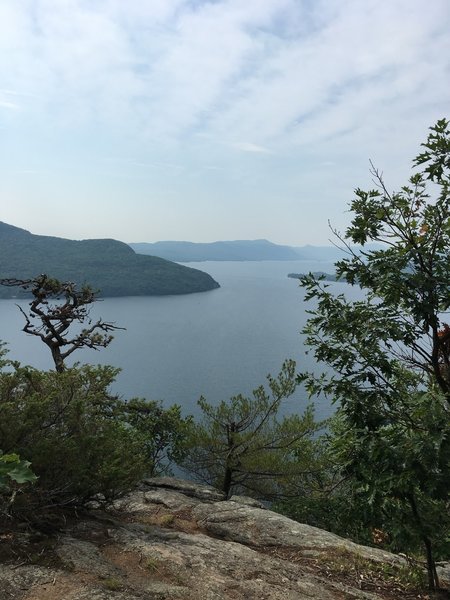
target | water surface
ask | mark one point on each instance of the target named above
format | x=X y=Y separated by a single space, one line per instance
x=215 y=344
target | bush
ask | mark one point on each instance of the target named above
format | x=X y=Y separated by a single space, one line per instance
x=73 y=431
x=163 y=432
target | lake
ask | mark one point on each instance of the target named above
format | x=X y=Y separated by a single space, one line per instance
x=216 y=344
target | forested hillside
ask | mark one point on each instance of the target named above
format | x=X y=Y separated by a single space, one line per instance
x=110 y=266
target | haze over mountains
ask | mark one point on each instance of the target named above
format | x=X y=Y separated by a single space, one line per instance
x=238 y=250
x=137 y=269
x=109 y=266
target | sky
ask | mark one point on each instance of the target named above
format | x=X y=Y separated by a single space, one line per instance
x=148 y=120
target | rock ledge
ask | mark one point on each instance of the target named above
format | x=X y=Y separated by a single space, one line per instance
x=175 y=539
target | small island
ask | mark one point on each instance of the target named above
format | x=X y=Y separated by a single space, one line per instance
x=317 y=274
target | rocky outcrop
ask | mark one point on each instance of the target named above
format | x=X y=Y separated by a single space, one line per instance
x=174 y=539
x=261 y=528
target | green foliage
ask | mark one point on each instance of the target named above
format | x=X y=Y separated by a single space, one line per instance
x=328 y=499
x=242 y=445
x=162 y=432
x=331 y=499
x=12 y=468
x=14 y=475
x=73 y=431
x=390 y=353
x=108 y=265
x=84 y=442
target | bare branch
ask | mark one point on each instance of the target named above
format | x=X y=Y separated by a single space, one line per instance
x=57 y=305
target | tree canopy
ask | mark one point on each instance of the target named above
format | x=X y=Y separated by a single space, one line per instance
x=243 y=445
x=390 y=351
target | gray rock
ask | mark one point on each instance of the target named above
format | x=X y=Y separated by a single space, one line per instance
x=164 y=591
x=91 y=593
x=205 y=493
x=15 y=582
x=443 y=571
x=247 y=501
x=170 y=499
x=81 y=556
x=232 y=550
x=144 y=501
x=259 y=528
x=220 y=570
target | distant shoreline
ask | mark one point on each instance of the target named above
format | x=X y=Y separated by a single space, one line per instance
x=324 y=276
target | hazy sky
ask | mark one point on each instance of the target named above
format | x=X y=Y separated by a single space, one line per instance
x=148 y=120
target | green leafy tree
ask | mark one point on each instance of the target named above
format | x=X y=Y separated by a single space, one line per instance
x=390 y=352
x=328 y=498
x=162 y=432
x=242 y=445
x=84 y=442
x=55 y=307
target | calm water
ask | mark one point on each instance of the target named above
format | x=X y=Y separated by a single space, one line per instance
x=214 y=344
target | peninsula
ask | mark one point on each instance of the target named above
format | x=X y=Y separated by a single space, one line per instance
x=110 y=266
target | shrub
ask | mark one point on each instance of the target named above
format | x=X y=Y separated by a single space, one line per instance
x=73 y=430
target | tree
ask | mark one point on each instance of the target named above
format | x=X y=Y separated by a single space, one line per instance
x=390 y=351
x=74 y=432
x=242 y=445
x=162 y=432
x=57 y=305
x=84 y=442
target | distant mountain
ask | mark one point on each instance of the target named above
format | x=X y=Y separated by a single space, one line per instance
x=234 y=250
x=110 y=266
x=239 y=250
x=322 y=253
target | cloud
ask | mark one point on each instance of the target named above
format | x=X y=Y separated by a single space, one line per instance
x=265 y=70
x=316 y=87
x=8 y=100
x=368 y=57
x=249 y=147
x=8 y=104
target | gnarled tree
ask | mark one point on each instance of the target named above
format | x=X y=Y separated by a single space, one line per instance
x=55 y=307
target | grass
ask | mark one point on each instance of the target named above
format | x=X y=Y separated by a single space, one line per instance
x=112 y=583
x=152 y=564
x=410 y=576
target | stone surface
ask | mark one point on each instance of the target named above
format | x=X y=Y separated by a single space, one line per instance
x=443 y=571
x=220 y=570
x=247 y=501
x=204 y=493
x=177 y=540
x=81 y=556
x=14 y=583
x=259 y=527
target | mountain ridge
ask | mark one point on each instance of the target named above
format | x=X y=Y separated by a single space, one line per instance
x=234 y=250
x=108 y=265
